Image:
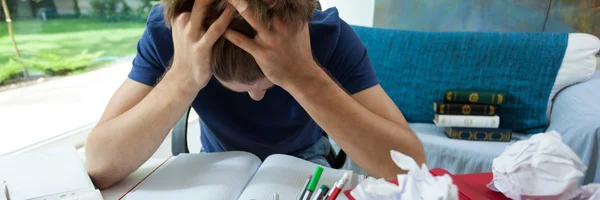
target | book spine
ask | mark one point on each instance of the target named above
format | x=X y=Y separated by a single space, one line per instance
x=477 y=97
x=467 y=121
x=499 y=135
x=464 y=109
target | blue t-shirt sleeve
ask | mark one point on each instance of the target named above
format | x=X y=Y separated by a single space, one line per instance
x=147 y=68
x=350 y=63
x=154 y=49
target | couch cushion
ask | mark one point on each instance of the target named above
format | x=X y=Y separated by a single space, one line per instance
x=576 y=117
x=416 y=68
x=578 y=65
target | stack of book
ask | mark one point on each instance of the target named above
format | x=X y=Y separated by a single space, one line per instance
x=471 y=115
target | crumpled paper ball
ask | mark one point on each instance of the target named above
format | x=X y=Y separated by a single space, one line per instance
x=418 y=183
x=539 y=167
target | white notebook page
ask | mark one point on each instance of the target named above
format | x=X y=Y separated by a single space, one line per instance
x=286 y=175
x=39 y=174
x=222 y=175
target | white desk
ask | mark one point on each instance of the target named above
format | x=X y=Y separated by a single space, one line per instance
x=116 y=191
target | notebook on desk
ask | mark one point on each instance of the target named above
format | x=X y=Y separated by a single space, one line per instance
x=231 y=175
x=56 y=174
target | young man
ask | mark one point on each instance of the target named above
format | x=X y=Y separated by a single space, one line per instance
x=272 y=89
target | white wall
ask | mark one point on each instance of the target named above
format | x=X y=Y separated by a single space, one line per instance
x=355 y=12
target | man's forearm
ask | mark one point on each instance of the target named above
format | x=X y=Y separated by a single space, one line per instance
x=118 y=146
x=364 y=135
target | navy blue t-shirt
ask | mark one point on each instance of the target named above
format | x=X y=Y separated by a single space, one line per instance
x=232 y=121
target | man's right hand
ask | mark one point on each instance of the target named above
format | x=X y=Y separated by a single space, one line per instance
x=193 y=43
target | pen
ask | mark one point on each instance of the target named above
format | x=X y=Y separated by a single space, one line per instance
x=331 y=190
x=320 y=193
x=304 y=187
x=275 y=196
x=338 y=188
x=313 y=183
x=6 y=194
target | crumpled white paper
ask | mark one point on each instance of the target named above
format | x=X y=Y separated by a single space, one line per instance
x=540 y=167
x=418 y=183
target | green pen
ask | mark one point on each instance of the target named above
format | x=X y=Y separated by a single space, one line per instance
x=321 y=192
x=313 y=183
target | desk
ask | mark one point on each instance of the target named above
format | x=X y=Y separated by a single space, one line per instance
x=116 y=191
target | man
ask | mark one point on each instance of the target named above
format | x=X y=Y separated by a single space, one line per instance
x=302 y=76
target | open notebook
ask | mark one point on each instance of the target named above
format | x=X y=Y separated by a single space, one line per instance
x=232 y=175
x=54 y=174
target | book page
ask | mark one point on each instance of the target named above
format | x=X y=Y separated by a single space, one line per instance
x=45 y=173
x=285 y=175
x=222 y=175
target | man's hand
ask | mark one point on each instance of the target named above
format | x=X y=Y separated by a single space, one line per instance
x=283 y=52
x=193 y=43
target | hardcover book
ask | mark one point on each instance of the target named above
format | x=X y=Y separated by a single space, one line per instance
x=467 y=121
x=464 y=109
x=479 y=134
x=475 y=97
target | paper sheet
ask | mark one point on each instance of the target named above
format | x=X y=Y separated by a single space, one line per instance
x=286 y=175
x=221 y=175
x=38 y=174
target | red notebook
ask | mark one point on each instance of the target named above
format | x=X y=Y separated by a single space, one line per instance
x=470 y=186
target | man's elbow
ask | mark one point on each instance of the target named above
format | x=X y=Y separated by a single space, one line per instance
x=100 y=175
x=103 y=172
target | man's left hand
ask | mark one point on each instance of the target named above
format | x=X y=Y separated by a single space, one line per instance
x=282 y=52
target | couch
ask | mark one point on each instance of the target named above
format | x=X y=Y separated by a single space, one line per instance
x=573 y=107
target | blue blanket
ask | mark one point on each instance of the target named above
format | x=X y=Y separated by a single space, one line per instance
x=416 y=68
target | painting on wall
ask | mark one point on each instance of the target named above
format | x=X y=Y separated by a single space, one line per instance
x=490 y=15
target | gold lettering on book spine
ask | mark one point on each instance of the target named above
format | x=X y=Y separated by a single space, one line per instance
x=468 y=122
x=492 y=110
x=466 y=109
x=500 y=98
x=474 y=97
x=442 y=108
x=449 y=96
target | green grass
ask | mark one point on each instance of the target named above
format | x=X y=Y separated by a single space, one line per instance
x=70 y=37
x=54 y=26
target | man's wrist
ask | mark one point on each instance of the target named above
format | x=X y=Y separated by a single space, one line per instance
x=190 y=76
x=312 y=79
x=182 y=82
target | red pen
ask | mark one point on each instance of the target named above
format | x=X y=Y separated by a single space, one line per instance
x=330 y=191
x=338 y=187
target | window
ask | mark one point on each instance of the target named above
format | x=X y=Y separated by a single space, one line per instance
x=68 y=58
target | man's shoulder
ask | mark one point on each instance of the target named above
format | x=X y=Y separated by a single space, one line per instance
x=324 y=34
x=331 y=36
x=157 y=35
x=157 y=32
x=156 y=18
x=326 y=19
